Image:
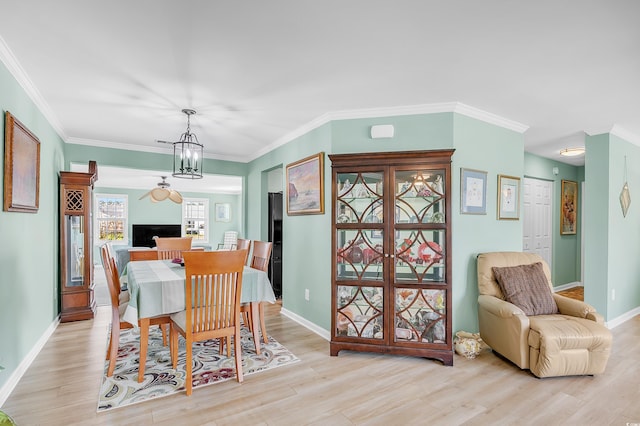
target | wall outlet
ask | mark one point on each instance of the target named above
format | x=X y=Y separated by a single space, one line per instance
x=613 y=294
x=306 y=294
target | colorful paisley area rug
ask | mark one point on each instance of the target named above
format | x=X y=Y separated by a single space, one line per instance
x=160 y=379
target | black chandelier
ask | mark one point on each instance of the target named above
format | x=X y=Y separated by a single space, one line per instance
x=188 y=153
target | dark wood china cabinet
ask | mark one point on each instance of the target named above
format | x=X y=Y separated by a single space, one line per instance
x=76 y=245
x=391 y=251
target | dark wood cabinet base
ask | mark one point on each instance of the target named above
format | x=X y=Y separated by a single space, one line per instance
x=78 y=314
x=444 y=356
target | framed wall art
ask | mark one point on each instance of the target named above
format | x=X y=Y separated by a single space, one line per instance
x=473 y=191
x=508 y=197
x=305 y=186
x=21 y=167
x=223 y=212
x=568 y=207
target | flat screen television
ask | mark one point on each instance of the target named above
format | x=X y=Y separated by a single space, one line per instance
x=143 y=234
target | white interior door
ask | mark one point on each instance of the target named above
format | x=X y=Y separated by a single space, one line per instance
x=538 y=200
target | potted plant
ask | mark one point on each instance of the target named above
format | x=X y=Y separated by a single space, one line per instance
x=5 y=420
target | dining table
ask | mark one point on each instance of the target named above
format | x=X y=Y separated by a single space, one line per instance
x=157 y=288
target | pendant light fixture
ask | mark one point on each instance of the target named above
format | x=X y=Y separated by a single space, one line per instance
x=188 y=153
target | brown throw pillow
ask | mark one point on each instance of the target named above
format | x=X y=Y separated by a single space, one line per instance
x=526 y=287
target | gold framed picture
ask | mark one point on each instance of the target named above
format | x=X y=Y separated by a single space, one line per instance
x=508 y=197
x=305 y=186
x=568 y=207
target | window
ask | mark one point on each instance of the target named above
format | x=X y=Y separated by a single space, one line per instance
x=195 y=219
x=111 y=218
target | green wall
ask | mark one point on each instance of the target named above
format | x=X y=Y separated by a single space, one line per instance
x=306 y=250
x=495 y=150
x=566 y=260
x=75 y=153
x=29 y=249
x=612 y=246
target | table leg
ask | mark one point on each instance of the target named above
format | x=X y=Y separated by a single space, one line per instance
x=255 y=324
x=144 y=343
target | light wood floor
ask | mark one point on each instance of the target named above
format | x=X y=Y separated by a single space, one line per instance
x=61 y=388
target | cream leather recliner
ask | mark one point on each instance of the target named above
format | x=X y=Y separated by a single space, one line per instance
x=573 y=342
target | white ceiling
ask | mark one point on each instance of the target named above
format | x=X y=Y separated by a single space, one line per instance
x=117 y=73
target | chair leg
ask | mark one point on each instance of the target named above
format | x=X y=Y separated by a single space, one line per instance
x=263 y=326
x=164 y=334
x=173 y=346
x=238 y=352
x=112 y=350
x=189 y=367
x=246 y=320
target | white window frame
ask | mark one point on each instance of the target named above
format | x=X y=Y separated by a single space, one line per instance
x=96 y=220
x=206 y=218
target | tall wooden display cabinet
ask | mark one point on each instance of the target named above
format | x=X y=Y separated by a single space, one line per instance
x=391 y=251
x=76 y=245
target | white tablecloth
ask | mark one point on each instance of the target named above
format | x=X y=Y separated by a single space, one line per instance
x=157 y=288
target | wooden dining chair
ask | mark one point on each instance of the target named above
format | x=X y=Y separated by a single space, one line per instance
x=244 y=245
x=119 y=300
x=172 y=247
x=259 y=260
x=213 y=287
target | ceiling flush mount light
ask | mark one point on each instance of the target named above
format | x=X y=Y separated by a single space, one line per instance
x=572 y=152
x=162 y=192
x=188 y=153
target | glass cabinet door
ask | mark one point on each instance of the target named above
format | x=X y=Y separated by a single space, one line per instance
x=419 y=237
x=359 y=227
x=75 y=250
x=359 y=255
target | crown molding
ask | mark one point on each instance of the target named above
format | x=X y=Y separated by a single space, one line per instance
x=490 y=118
x=618 y=131
x=623 y=133
x=151 y=149
x=9 y=60
x=456 y=107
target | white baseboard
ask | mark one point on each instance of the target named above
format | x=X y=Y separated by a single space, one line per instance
x=622 y=318
x=10 y=385
x=567 y=286
x=306 y=323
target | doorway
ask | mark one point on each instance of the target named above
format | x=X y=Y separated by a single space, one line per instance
x=537 y=218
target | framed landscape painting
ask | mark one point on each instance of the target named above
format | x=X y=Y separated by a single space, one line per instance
x=21 y=167
x=305 y=186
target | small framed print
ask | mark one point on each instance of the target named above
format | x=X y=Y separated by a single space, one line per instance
x=473 y=191
x=223 y=212
x=508 y=197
